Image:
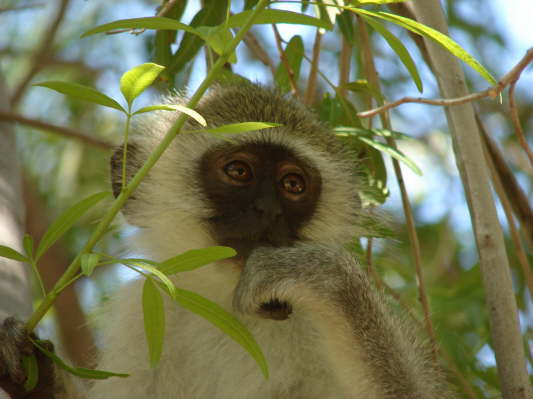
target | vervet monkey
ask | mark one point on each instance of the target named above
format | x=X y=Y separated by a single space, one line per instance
x=286 y=198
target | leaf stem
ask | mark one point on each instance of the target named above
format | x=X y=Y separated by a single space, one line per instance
x=35 y=270
x=101 y=228
x=125 y=147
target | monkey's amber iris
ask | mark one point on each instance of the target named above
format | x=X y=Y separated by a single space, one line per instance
x=293 y=183
x=239 y=171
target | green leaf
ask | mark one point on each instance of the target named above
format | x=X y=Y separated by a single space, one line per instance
x=174 y=107
x=398 y=48
x=195 y=258
x=218 y=38
x=357 y=85
x=27 y=243
x=243 y=127
x=78 y=371
x=325 y=12
x=438 y=37
x=361 y=2
x=223 y=320
x=10 y=253
x=393 y=152
x=29 y=363
x=269 y=16
x=346 y=26
x=294 y=52
x=89 y=262
x=82 y=92
x=212 y=14
x=349 y=111
x=356 y=131
x=152 y=268
x=66 y=220
x=154 y=320
x=160 y=23
x=136 y=80
x=165 y=38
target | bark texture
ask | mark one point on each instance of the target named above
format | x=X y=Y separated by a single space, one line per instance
x=468 y=147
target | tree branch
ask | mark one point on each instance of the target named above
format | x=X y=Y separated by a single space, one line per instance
x=493 y=92
x=63 y=131
x=313 y=73
x=290 y=73
x=44 y=49
x=468 y=147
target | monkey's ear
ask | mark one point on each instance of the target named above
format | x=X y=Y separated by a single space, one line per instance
x=133 y=163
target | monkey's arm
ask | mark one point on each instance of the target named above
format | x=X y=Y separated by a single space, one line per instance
x=371 y=352
x=53 y=382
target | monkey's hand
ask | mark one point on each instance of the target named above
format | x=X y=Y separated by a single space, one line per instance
x=15 y=343
x=274 y=280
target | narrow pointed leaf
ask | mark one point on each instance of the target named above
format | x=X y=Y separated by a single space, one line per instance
x=89 y=262
x=223 y=320
x=10 y=253
x=152 y=269
x=438 y=37
x=136 y=80
x=294 y=52
x=355 y=131
x=212 y=14
x=174 y=107
x=392 y=152
x=270 y=16
x=66 y=220
x=28 y=245
x=243 y=127
x=361 y=2
x=218 y=38
x=159 y=23
x=31 y=370
x=82 y=92
x=158 y=107
x=195 y=258
x=154 y=320
x=78 y=371
x=398 y=48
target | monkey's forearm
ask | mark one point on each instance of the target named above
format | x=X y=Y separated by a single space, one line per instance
x=371 y=352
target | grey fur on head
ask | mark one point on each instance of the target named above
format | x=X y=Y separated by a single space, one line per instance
x=171 y=186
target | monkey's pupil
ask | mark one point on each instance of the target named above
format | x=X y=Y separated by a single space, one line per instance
x=293 y=183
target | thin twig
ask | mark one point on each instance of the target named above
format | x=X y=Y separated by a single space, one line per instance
x=515 y=236
x=290 y=73
x=311 y=83
x=516 y=122
x=63 y=131
x=519 y=200
x=493 y=92
x=257 y=49
x=345 y=63
x=372 y=76
x=42 y=51
x=21 y=7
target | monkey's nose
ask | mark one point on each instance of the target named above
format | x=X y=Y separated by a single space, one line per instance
x=265 y=206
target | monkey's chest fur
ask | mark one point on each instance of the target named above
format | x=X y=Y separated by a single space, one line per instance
x=199 y=361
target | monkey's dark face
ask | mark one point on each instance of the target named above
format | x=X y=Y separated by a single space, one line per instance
x=262 y=195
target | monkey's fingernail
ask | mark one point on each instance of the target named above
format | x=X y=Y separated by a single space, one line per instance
x=275 y=310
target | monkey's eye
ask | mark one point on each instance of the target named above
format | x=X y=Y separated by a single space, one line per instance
x=293 y=183
x=239 y=171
